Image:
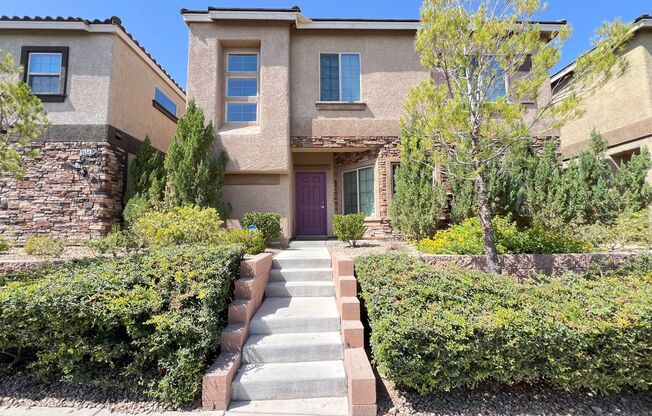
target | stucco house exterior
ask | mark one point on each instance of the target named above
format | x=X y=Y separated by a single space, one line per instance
x=621 y=110
x=103 y=93
x=307 y=110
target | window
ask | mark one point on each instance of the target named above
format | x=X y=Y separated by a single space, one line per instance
x=339 y=77
x=241 y=112
x=498 y=88
x=164 y=104
x=358 y=189
x=242 y=88
x=45 y=71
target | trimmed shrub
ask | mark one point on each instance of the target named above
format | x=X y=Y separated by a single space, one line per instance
x=4 y=244
x=183 y=225
x=117 y=242
x=252 y=240
x=42 y=245
x=148 y=321
x=269 y=223
x=349 y=228
x=441 y=329
x=466 y=238
x=137 y=206
x=630 y=229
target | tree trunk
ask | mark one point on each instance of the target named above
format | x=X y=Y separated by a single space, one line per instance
x=484 y=211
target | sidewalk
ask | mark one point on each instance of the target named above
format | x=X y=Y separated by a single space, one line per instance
x=71 y=411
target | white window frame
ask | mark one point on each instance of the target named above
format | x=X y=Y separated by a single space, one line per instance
x=357 y=181
x=238 y=75
x=339 y=74
x=58 y=74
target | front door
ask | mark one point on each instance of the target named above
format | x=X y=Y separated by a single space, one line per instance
x=311 y=203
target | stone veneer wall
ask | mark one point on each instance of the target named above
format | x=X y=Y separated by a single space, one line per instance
x=54 y=199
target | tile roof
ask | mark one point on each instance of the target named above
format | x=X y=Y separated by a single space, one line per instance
x=113 y=20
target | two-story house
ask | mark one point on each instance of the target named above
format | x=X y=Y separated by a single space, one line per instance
x=620 y=110
x=307 y=109
x=104 y=93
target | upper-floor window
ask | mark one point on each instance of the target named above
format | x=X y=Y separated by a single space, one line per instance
x=165 y=104
x=242 y=71
x=339 y=77
x=44 y=70
x=498 y=86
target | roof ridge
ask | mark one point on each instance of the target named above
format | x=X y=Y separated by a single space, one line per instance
x=113 y=20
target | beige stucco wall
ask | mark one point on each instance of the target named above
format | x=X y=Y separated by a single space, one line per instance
x=264 y=148
x=89 y=71
x=622 y=108
x=132 y=87
x=389 y=66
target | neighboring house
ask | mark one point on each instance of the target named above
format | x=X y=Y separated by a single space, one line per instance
x=307 y=109
x=621 y=110
x=103 y=94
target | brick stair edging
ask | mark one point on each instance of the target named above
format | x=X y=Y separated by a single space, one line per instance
x=361 y=381
x=248 y=295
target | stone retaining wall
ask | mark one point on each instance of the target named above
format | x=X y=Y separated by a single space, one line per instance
x=55 y=198
x=524 y=265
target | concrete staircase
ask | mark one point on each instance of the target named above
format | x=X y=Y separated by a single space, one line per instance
x=292 y=362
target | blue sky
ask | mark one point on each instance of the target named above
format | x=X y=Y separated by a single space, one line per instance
x=159 y=27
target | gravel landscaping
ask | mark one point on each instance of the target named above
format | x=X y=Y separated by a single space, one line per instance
x=21 y=389
x=365 y=247
x=510 y=401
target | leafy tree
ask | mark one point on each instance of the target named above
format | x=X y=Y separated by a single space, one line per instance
x=22 y=118
x=194 y=175
x=462 y=113
x=418 y=204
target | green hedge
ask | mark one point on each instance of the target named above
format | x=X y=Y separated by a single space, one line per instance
x=150 y=321
x=440 y=329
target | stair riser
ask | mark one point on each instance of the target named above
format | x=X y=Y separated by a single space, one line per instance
x=288 y=354
x=298 y=263
x=299 y=291
x=280 y=390
x=278 y=275
x=293 y=325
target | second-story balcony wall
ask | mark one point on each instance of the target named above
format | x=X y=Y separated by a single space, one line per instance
x=256 y=142
x=388 y=67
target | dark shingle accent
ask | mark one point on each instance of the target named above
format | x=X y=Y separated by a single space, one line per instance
x=113 y=20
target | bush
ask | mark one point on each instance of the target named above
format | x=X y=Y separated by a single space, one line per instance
x=137 y=206
x=466 y=238
x=630 y=229
x=252 y=240
x=147 y=321
x=349 y=228
x=41 y=245
x=117 y=242
x=184 y=225
x=269 y=223
x=4 y=244
x=441 y=329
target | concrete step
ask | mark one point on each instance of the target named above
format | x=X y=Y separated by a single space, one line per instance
x=302 y=258
x=284 y=348
x=299 y=289
x=295 y=315
x=323 y=406
x=315 y=274
x=278 y=381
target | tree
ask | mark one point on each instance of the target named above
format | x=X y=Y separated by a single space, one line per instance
x=194 y=175
x=630 y=190
x=147 y=172
x=22 y=118
x=418 y=204
x=544 y=191
x=463 y=113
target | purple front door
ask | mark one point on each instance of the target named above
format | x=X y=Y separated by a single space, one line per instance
x=311 y=203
